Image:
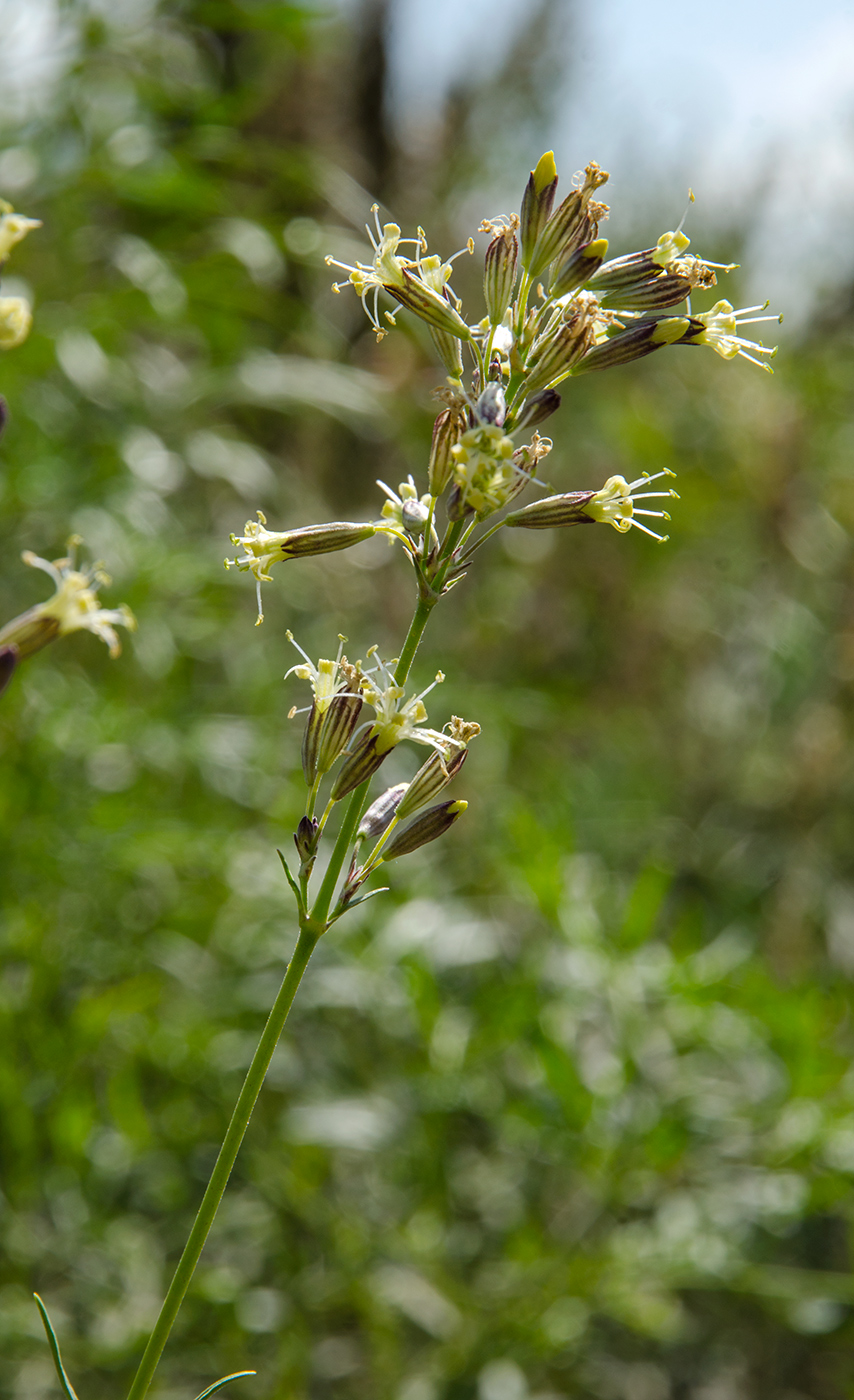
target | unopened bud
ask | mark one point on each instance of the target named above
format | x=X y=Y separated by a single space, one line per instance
x=633 y=344
x=327 y=733
x=491 y=407
x=380 y=814
x=499 y=274
x=571 y=224
x=305 y=838
x=431 y=777
x=8 y=661
x=562 y=348
x=537 y=204
x=430 y=824
x=432 y=308
x=458 y=506
x=16 y=318
x=358 y=766
x=450 y=352
x=536 y=409
x=552 y=512
x=4 y=414
x=447 y=431
x=579 y=267
x=414 y=517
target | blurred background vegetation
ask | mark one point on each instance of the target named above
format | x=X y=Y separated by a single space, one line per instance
x=569 y=1112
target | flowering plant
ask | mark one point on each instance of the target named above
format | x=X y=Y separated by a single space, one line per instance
x=555 y=308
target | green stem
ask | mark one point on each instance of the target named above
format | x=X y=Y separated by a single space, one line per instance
x=346 y=837
x=423 y=609
x=449 y=544
x=225 y=1161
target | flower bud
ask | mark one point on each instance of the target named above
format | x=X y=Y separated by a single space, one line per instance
x=491 y=407
x=305 y=838
x=448 y=347
x=499 y=275
x=358 y=765
x=432 y=308
x=552 y=512
x=9 y=656
x=579 y=267
x=4 y=415
x=430 y=824
x=431 y=777
x=327 y=732
x=414 y=517
x=537 y=204
x=16 y=318
x=571 y=224
x=458 y=505
x=553 y=357
x=447 y=431
x=633 y=344
x=380 y=814
x=536 y=409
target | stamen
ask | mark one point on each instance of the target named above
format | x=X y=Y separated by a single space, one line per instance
x=691 y=201
x=304 y=654
x=438 y=681
x=662 y=539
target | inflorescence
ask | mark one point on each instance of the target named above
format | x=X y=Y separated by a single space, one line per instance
x=556 y=308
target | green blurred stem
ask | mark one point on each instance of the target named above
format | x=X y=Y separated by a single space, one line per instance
x=224 y=1162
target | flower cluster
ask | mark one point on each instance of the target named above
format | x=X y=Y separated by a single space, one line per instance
x=333 y=732
x=556 y=307
x=16 y=315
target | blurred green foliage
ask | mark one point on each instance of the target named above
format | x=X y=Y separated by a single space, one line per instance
x=569 y=1112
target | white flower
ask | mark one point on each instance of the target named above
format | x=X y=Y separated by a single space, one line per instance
x=615 y=503
x=390 y=270
x=325 y=677
x=264 y=547
x=16 y=318
x=13 y=227
x=397 y=720
x=720 y=330
x=73 y=607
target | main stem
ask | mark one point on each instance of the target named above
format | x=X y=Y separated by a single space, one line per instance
x=309 y=933
x=224 y=1163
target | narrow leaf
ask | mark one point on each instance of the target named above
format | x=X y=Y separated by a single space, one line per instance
x=54 y=1346
x=384 y=889
x=218 y=1385
x=298 y=896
